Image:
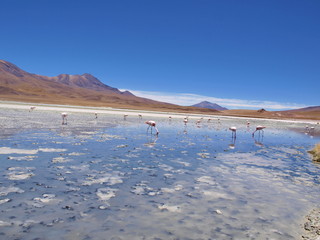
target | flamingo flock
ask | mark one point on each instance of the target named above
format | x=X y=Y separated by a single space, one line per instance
x=153 y=125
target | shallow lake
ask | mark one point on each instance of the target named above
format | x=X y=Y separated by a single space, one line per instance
x=107 y=178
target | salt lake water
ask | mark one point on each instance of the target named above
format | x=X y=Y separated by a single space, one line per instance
x=107 y=178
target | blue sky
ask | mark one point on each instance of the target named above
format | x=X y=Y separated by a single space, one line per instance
x=239 y=53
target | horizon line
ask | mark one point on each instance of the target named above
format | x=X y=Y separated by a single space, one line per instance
x=189 y=99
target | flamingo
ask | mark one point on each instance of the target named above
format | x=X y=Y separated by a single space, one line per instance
x=258 y=128
x=32 y=108
x=140 y=116
x=152 y=124
x=185 y=120
x=64 y=118
x=234 y=131
x=311 y=130
x=125 y=117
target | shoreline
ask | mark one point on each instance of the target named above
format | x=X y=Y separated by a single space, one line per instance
x=133 y=112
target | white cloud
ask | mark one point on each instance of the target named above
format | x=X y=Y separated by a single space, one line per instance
x=188 y=99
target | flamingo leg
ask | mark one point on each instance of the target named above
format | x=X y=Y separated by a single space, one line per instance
x=253 y=133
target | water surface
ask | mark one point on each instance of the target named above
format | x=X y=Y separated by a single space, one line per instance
x=107 y=178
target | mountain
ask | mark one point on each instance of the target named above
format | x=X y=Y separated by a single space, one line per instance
x=307 y=109
x=86 y=90
x=206 y=104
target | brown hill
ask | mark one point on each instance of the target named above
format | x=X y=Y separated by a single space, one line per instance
x=19 y=85
x=305 y=113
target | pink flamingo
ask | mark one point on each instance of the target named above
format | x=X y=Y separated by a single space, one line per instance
x=258 y=128
x=64 y=118
x=234 y=131
x=185 y=120
x=152 y=124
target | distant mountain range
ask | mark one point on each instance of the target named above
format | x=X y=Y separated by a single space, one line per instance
x=19 y=85
x=206 y=104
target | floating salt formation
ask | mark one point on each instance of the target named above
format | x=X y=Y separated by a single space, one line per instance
x=105 y=178
x=7 y=150
x=206 y=179
x=19 y=173
x=105 y=194
x=6 y=190
x=174 y=209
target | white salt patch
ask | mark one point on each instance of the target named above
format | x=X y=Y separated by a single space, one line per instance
x=204 y=155
x=25 y=158
x=6 y=190
x=131 y=155
x=28 y=223
x=19 y=173
x=168 y=175
x=216 y=195
x=206 y=179
x=166 y=167
x=40 y=202
x=19 y=176
x=104 y=178
x=103 y=207
x=4 y=224
x=186 y=164
x=168 y=190
x=81 y=168
x=5 y=200
x=169 y=208
x=47 y=198
x=60 y=160
x=52 y=150
x=75 y=154
x=218 y=211
x=122 y=146
x=7 y=150
x=89 y=133
x=143 y=189
x=105 y=194
x=172 y=190
x=138 y=190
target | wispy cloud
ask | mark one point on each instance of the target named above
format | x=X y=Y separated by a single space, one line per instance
x=188 y=99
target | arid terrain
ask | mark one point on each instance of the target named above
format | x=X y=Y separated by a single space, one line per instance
x=304 y=113
x=86 y=90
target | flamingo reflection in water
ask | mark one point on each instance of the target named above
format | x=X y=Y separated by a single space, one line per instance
x=260 y=129
x=151 y=141
x=232 y=145
x=258 y=141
